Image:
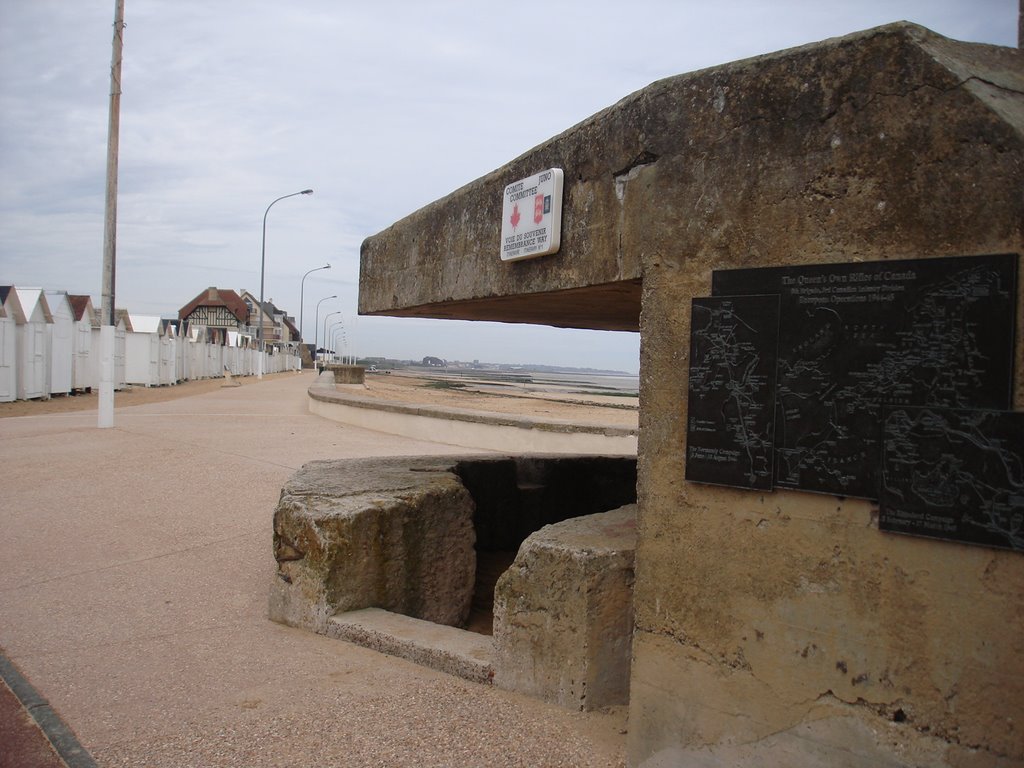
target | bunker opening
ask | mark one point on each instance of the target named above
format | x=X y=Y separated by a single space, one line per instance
x=515 y=497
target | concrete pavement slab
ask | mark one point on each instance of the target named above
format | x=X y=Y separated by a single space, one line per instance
x=133 y=595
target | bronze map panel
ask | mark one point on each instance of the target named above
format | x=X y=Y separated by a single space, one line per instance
x=954 y=474
x=731 y=413
x=856 y=337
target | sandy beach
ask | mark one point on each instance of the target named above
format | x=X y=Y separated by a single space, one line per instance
x=424 y=388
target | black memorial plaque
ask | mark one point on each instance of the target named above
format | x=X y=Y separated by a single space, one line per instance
x=954 y=474
x=731 y=411
x=855 y=337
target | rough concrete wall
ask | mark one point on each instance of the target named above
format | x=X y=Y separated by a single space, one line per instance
x=388 y=533
x=348 y=374
x=678 y=163
x=563 y=612
x=443 y=260
x=785 y=625
x=403 y=533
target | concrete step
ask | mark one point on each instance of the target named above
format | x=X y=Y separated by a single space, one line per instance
x=447 y=649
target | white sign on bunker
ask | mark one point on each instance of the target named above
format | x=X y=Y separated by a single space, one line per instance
x=531 y=216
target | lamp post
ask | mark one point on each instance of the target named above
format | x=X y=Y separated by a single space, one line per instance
x=332 y=314
x=343 y=334
x=107 y=312
x=302 y=286
x=316 y=327
x=336 y=329
x=263 y=264
x=354 y=327
x=334 y=339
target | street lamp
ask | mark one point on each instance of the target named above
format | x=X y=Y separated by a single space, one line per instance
x=332 y=314
x=341 y=333
x=354 y=327
x=263 y=264
x=335 y=333
x=336 y=328
x=302 y=285
x=316 y=327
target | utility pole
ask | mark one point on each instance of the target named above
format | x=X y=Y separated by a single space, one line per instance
x=107 y=342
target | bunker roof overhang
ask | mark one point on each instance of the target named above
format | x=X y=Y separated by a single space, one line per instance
x=674 y=170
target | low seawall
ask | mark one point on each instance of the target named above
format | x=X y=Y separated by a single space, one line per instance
x=464 y=427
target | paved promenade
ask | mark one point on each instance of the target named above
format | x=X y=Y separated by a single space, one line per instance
x=134 y=569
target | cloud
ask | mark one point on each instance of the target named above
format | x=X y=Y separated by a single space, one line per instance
x=380 y=107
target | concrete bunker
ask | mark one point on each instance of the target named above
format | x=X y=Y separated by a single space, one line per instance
x=776 y=627
x=361 y=545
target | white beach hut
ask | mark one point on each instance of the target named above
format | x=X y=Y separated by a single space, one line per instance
x=10 y=317
x=33 y=352
x=199 y=363
x=142 y=350
x=81 y=361
x=85 y=321
x=120 y=344
x=60 y=340
x=216 y=352
x=168 y=370
x=182 y=371
x=187 y=370
x=234 y=361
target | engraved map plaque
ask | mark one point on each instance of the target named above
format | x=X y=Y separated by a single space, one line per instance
x=731 y=411
x=954 y=474
x=855 y=337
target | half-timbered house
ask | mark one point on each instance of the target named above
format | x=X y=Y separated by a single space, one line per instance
x=216 y=308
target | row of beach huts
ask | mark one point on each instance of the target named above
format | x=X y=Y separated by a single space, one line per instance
x=49 y=345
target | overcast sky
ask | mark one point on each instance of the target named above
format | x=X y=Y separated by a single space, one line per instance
x=381 y=107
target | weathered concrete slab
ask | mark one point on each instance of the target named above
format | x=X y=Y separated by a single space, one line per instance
x=380 y=552
x=389 y=533
x=830 y=150
x=348 y=374
x=757 y=614
x=401 y=534
x=563 y=613
x=447 y=649
x=838 y=742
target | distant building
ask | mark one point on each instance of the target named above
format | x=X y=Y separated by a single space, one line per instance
x=217 y=308
x=239 y=311
x=278 y=326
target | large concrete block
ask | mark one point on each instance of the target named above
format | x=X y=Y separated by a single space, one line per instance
x=890 y=142
x=387 y=533
x=401 y=534
x=563 y=613
x=761 y=614
x=348 y=374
